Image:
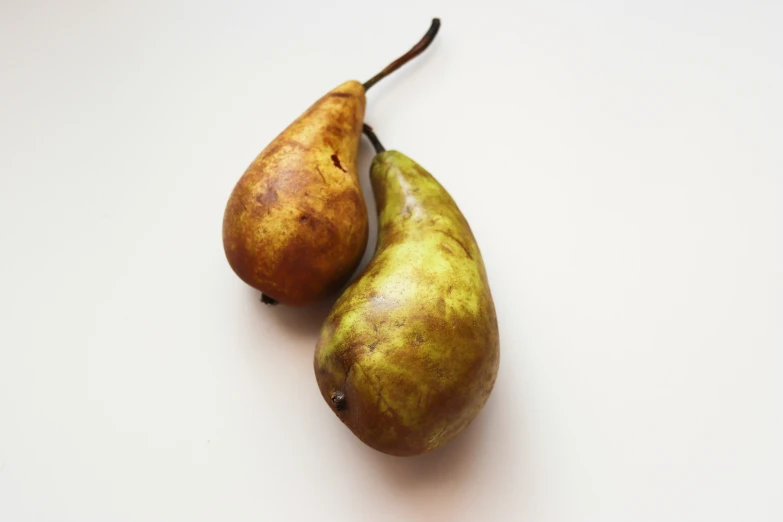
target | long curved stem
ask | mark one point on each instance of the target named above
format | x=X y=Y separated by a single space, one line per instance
x=405 y=58
x=373 y=138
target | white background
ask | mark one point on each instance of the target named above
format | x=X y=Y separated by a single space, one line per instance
x=620 y=165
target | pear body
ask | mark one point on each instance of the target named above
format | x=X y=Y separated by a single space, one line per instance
x=295 y=226
x=409 y=354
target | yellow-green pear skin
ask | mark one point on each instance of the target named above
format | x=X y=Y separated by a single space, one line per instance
x=409 y=354
x=295 y=226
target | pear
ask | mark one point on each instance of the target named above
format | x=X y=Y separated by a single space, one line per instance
x=409 y=354
x=295 y=226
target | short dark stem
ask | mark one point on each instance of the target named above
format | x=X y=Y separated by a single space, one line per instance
x=405 y=58
x=373 y=139
x=268 y=300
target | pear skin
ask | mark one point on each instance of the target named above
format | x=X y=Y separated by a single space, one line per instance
x=295 y=226
x=409 y=354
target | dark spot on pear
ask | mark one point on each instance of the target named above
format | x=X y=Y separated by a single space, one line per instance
x=336 y=161
x=338 y=399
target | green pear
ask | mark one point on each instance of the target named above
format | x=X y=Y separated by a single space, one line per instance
x=409 y=354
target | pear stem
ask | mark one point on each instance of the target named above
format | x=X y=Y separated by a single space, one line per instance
x=268 y=300
x=373 y=139
x=405 y=58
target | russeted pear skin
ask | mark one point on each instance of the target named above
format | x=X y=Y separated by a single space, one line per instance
x=295 y=226
x=409 y=354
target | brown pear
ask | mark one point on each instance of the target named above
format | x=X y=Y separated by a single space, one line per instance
x=295 y=226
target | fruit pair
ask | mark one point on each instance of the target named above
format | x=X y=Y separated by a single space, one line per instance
x=409 y=353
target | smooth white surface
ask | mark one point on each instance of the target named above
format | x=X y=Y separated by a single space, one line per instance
x=620 y=165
